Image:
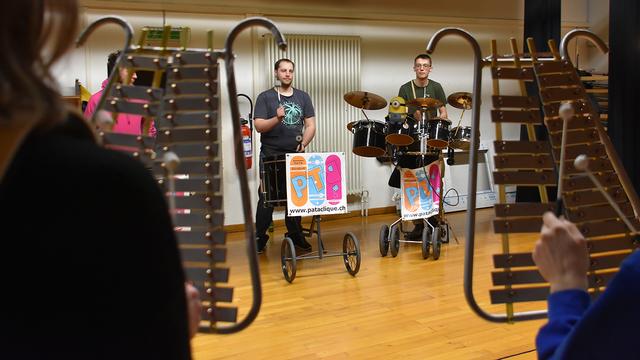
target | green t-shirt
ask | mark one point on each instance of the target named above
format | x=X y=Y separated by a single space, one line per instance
x=432 y=90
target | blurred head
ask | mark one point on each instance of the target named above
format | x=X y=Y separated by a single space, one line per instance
x=422 y=66
x=34 y=34
x=123 y=72
x=283 y=70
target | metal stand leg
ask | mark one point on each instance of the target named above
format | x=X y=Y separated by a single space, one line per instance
x=320 y=244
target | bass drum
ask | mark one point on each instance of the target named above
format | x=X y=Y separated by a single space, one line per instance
x=368 y=138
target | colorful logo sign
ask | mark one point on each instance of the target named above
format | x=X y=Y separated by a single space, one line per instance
x=420 y=191
x=316 y=184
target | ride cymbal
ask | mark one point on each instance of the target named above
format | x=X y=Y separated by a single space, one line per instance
x=365 y=100
x=460 y=100
x=429 y=103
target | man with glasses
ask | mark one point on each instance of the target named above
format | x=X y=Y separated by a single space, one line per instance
x=423 y=87
x=420 y=87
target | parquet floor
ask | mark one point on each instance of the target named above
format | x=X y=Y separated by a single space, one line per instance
x=395 y=308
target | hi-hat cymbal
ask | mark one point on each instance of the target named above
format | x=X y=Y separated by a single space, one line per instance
x=460 y=100
x=429 y=103
x=365 y=100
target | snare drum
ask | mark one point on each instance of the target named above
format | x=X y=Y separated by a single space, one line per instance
x=273 y=180
x=461 y=137
x=401 y=133
x=438 y=133
x=368 y=138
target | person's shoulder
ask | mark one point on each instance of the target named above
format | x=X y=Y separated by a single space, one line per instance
x=406 y=85
x=301 y=92
x=74 y=149
x=267 y=93
x=435 y=83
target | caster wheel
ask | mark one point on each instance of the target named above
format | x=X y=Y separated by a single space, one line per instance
x=435 y=242
x=426 y=242
x=394 y=241
x=384 y=240
x=351 y=253
x=288 y=259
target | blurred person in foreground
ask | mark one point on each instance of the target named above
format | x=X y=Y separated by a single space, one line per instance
x=90 y=267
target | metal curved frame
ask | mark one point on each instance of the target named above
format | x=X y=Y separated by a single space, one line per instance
x=128 y=37
x=229 y=58
x=615 y=161
x=581 y=33
x=473 y=172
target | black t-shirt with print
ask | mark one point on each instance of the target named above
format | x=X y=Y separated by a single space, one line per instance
x=282 y=138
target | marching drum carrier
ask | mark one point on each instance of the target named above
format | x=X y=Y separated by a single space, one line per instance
x=274 y=188
x=411 y=144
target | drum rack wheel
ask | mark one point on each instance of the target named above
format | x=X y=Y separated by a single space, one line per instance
x=288 y=259
x=436 y=242
x=426 y=242
x=394 y=240
x=351 y=253
x=384 y=240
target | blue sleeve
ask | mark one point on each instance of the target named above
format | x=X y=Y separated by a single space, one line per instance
x=565 y=309
x=606 y=330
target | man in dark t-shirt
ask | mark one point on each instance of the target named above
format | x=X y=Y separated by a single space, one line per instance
x=285 y=119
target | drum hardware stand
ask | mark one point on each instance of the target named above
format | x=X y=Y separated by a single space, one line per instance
x=350 y=253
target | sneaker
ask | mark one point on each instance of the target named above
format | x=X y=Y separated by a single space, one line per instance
x=262 y=243
x=301 y=244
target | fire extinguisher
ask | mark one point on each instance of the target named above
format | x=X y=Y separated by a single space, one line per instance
x=246 y=141
x=247 y=131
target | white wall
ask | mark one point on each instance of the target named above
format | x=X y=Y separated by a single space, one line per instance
x=388 y=49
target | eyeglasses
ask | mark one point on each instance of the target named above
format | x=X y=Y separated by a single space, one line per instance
x=422 y=66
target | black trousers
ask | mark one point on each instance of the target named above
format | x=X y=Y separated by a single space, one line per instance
x=264 y=216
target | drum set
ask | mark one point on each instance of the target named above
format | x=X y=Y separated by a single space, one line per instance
x=373 y=138
x=410 y=142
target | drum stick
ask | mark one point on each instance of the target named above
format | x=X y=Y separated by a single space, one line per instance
x=582 y=163
x=299 y=140
x=566 y=112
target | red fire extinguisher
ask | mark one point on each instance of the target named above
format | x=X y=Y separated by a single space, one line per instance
x=246 y=141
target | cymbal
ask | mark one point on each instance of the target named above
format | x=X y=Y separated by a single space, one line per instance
x=365 y=100
x=460 y=100
x=429 y=103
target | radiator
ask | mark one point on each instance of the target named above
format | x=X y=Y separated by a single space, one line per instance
x=326 y=67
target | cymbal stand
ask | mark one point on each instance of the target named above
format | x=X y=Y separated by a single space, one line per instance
x=459 y=122
x=365 y=114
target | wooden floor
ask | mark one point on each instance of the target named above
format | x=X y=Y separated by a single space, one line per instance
x=403 y=307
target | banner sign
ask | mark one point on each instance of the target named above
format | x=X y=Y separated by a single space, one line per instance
x=316 y=184
x=420 y=192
